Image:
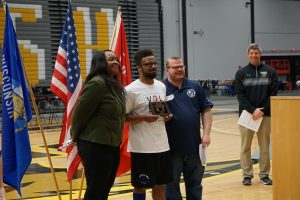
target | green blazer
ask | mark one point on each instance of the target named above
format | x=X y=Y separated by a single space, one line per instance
x=99 y=114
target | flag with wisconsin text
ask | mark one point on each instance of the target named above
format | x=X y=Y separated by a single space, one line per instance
x=16 y=111
x=120 y=48
x=67 y=84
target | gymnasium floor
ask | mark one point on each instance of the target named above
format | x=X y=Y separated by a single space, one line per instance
x=222 y=178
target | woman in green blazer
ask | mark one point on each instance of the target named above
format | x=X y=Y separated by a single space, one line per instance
x=97 y=126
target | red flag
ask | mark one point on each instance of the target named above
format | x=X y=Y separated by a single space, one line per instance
x=120 y=48
x=67 y=84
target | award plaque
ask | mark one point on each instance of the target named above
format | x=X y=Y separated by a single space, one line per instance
x=159 y=108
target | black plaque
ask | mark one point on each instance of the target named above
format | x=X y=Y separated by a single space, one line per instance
x=159 y=108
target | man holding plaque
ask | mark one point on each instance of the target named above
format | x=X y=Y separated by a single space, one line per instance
x=188 y=104
x=148 y=141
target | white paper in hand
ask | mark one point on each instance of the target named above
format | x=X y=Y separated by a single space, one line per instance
x=247 y=121
x=203 y=155
x=66 y=144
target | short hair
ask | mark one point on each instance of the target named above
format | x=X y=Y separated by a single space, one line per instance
x=140 y=54
x=254 y=46
x=172 y=58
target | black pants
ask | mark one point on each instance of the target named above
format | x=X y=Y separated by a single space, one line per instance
x=100 y=165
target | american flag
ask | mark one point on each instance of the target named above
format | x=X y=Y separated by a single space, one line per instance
x=66 y=84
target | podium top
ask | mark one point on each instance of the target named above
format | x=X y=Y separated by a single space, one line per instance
x=285 y=98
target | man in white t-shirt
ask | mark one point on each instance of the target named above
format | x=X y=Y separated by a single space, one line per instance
x=148 y=140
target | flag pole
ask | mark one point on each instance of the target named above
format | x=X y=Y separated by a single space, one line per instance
x=81 y=184
x=70 y=182
x=71 y=191
x=42 y=131
x=115 y=27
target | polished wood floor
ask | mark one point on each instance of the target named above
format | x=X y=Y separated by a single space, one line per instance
x=222 y=177
x=227 y=185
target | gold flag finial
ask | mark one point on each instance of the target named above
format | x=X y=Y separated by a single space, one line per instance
x=4 y=4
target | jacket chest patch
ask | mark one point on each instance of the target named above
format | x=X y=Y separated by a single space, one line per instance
x=263 y=74
x=191 y=93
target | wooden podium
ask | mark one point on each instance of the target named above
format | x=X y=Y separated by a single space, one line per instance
x=285 y=123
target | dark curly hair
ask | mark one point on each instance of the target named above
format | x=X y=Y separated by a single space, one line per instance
x=140 y=54
x=99 y=66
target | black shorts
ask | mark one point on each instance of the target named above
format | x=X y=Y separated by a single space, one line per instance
x=149 y=169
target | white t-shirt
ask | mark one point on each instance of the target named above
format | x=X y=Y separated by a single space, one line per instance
x=146 y=137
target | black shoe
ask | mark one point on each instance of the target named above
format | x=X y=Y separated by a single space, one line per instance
x=266 y=180
x=247 y=181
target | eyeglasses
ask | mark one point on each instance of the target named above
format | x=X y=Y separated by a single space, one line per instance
x=177 y=67
x=149 y=64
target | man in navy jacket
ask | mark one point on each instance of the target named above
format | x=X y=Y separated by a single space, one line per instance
x=254 y=84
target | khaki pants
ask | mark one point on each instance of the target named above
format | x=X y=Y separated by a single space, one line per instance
x=263 y=136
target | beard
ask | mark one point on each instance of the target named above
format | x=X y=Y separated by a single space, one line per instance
x=150 y=75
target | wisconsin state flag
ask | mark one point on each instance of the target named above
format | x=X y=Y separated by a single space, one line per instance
x=16 y=111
